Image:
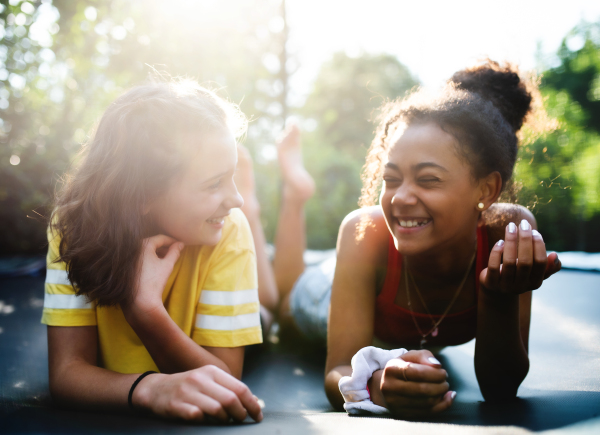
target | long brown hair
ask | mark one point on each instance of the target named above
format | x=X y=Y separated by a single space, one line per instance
x=138 y=147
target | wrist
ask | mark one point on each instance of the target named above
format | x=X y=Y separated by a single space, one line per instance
x=144 y=391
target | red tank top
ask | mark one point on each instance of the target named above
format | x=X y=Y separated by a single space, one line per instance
x=395 y=325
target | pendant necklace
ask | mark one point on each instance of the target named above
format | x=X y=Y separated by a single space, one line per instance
x=434 y=329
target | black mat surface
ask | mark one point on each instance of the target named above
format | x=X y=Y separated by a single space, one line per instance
x=560 y=395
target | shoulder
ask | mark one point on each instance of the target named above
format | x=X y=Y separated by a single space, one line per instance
x=364 y=232
x=498 y=216
x=236 y=231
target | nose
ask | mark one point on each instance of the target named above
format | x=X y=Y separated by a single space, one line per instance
x=234 y=199
x=404 y=195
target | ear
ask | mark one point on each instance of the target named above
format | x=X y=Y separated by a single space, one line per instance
x=490 y=187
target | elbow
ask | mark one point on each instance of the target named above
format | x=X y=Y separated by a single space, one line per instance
x=502 y=386
x=332 y=391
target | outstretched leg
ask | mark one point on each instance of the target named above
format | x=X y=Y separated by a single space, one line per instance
x=290 y=236
x=244 y=180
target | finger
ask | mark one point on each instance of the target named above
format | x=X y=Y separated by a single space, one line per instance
x=553 y=265
x=411 y=402
x=228 y=400
x=188 y=412
x=490 y=276
x=209 y=406
x=421 y=357
x=241 y=391
x=540 y=260
x=525 y=252
x=174 y=252
x=409 y=371
x=445 y=403
x=395 y=386
x=509 y=256
x=159 y=240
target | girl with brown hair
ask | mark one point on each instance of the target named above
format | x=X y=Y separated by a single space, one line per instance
x=151 y=265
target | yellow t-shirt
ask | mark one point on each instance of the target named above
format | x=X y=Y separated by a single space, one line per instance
x=212 y=295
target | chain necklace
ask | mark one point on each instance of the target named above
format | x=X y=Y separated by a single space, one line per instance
x=434 y=330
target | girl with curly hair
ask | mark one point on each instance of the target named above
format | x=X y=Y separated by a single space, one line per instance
x=438 y=261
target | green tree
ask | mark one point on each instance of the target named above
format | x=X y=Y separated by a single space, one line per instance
x=64 y=61
x=341 y=108
x=561 y=171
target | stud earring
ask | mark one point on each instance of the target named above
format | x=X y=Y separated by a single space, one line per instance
x=480 y=206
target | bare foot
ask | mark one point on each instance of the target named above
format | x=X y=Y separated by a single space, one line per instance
x=298 y=184
x=244 y=181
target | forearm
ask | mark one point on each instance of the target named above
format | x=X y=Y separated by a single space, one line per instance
x=332 y=390
x=79 y=384
x=170 y=348
x=501 y=360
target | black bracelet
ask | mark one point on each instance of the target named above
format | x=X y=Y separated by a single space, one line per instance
x=135 y=384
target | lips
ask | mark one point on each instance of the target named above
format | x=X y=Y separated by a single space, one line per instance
x=217 y=220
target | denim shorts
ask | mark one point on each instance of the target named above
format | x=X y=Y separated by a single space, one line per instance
x=310 y=298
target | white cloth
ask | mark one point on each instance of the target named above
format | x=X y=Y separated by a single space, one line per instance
x=354 y=388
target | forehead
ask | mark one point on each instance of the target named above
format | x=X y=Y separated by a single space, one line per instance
x=210 y=154
x=423 y=142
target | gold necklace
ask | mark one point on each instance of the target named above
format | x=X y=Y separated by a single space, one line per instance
x=434 y=330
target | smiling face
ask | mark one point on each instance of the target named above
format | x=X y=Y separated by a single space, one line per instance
x=193 y=208
x=429 y=195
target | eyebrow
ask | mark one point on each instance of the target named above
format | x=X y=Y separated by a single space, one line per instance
x=417 y=167
x=208 y=180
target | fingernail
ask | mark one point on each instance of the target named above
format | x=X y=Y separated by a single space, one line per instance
x=500 y=243
x=536 y=233
x=512 y=228
x=525 y=225
x=433 y=360
x=556 y=260
x=453 y=395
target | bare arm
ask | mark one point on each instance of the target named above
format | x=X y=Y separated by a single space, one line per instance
x=170 y=348
x=76 y=381
x=504 y=305
x=173 y=351
x=351 y=315
x=351 y=326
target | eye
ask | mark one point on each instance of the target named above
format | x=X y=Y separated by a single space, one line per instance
x=215 y=185
x=429 y=180
x=390 y=180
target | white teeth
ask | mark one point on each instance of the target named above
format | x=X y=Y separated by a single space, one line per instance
x=215 y=221
x=414 y=223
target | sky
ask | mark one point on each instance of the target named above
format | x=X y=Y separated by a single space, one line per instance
x=432 y=38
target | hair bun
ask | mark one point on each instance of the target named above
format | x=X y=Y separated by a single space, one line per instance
x=501 y=85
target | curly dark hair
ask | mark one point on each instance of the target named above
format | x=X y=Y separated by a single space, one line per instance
x=482 y=107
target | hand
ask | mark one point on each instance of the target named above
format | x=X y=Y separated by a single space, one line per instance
x=520 y=264
x=414 y=385
x=159 y=254
x=197 y=395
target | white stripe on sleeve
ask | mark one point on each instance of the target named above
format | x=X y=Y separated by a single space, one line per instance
x=227 y=323
x=68 y=302
x=55 y=276
x=215 y=297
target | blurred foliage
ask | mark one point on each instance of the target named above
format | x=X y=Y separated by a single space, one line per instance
x=560 y=172
x=63 y=61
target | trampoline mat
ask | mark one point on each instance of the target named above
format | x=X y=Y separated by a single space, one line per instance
x=560 y=395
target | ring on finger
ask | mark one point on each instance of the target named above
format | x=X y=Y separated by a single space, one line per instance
x=404 y=372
